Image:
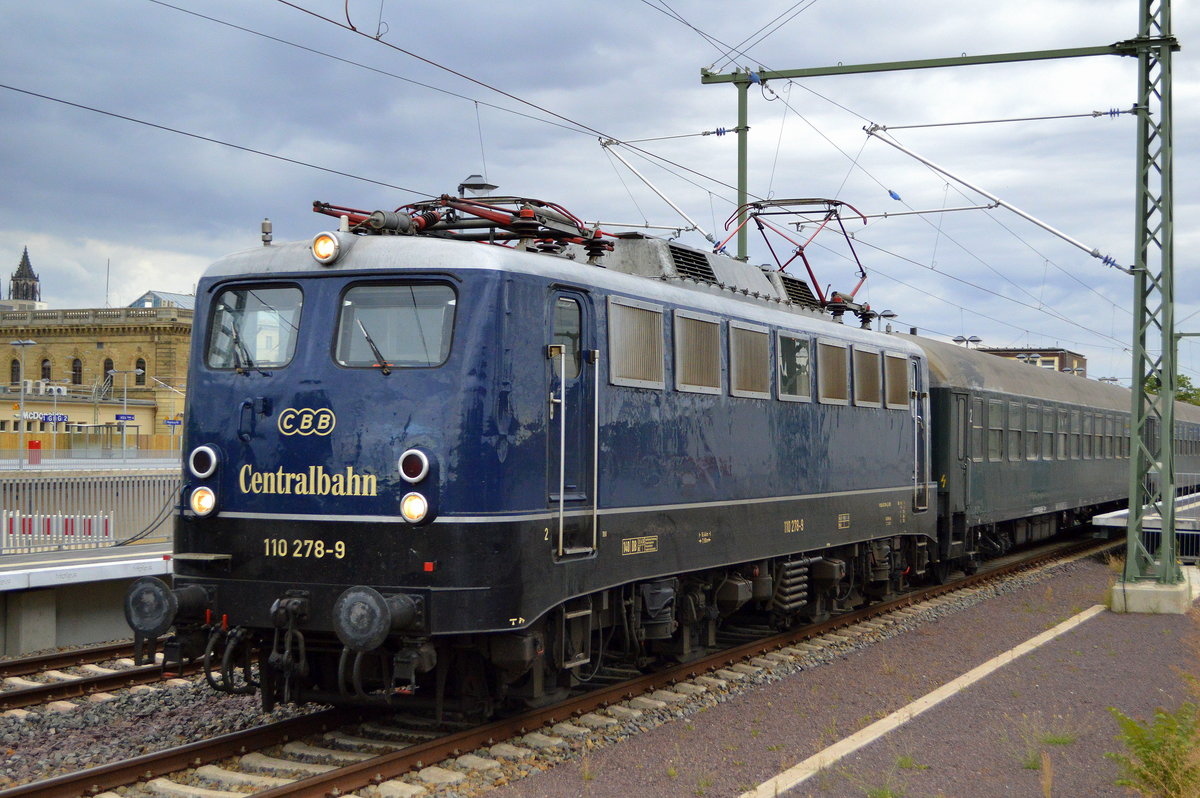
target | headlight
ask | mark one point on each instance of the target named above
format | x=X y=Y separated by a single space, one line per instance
x=414 y=466
x=203 y=501
x=203 y=461
x=326 y=247
x=414 y=507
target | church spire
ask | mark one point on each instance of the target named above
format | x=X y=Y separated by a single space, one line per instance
x=24 y=283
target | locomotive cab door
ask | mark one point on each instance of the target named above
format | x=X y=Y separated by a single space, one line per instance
x=572 y=366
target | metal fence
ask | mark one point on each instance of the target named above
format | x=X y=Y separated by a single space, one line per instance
x=83 y=511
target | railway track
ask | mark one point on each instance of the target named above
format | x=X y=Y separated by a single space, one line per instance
x=335 y=752
x=54 y=683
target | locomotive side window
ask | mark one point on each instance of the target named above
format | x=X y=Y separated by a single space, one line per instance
x=697 y=352
x=795 y=368
x=995 y=431
x=749 y=361
x=833 y=373
x=407 y=325
x=868 y=378
x=568 y=327
x=635 y=343
x=977 y=430
x=253 y=327
x=896 y=387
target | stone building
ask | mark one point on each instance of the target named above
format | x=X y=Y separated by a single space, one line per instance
x=69 y=355
x=1051 y=358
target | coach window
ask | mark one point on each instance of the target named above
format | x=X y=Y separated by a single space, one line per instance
x=795 y=368
x=1048 y=433
x=697 y=352
x=895 y=382
x=1032 y=414
x=868 y=378
x=833 y=373
x=635 y=343
x=1015 y=423
x=1087 y=436
x=977 y=430
x=254 y=326
x=995 y=431
x=1075 y=427
x=1109 y=423
x=749 y=361
x=1063 y=449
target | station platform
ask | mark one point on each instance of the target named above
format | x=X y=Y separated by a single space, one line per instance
x=72 y=597
x=1006 y=696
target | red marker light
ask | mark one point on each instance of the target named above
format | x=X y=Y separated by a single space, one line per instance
x=224 y=623
x=429 y=566
x=208 y=617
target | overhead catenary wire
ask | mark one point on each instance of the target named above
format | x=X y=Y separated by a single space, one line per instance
x=1111 y=114
x=213 y=140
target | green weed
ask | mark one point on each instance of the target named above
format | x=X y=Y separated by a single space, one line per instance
x=1163 y=759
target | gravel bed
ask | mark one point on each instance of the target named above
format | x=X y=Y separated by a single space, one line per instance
x=48 y=743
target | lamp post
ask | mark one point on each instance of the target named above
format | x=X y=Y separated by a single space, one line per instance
x=124 y=400
x=886 y=314
x=21 y=452
x=54 y=411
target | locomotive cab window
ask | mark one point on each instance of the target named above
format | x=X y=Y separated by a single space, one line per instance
x=749 y=361
x=254 y=327
x=795 y=368
x=868 y=378
x=833 y=373
x=405 y=325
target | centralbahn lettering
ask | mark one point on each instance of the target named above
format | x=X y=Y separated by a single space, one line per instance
x=316 y=481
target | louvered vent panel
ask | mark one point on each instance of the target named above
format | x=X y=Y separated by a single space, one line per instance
x=692 y=264
x=799 y=292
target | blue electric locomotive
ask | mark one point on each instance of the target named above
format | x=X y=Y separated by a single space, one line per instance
x=425 y=466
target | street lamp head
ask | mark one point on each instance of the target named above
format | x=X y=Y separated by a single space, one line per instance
x=139 y=371
x=23 y=342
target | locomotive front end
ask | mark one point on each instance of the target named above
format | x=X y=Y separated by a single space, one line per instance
x=324 y=409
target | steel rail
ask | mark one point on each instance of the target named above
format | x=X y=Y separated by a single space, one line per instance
x=23 y=666
x=86 y=685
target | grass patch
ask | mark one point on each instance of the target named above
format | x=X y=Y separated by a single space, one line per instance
x=907 y=762
x=1163 y=755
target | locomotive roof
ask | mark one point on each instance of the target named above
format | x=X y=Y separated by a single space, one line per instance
x=953 y=366
x=642 y=271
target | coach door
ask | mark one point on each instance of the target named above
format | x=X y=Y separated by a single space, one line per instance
x=919 y=404
x=571 y=369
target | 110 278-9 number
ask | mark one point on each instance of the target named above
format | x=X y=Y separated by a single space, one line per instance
x=304 y=547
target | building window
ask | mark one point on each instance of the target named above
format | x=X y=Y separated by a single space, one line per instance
x=868 y=378
x=635 y=343
x=108 y=366
x=749 y=361
x=795 y=368
x=833 y=373
x=697 y=352
x=14 y=371
x=140 y=378
x=77 y=372
x=46 y=370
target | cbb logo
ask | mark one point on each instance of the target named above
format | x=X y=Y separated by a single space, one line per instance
x=306 y=421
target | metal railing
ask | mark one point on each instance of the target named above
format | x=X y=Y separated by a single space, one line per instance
x=82 y=511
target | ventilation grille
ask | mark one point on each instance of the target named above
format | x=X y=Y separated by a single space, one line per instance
x=692 y=264
x=798 y=292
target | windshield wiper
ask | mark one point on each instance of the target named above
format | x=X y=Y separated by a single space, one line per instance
x=240 y=352
x=385 y=368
